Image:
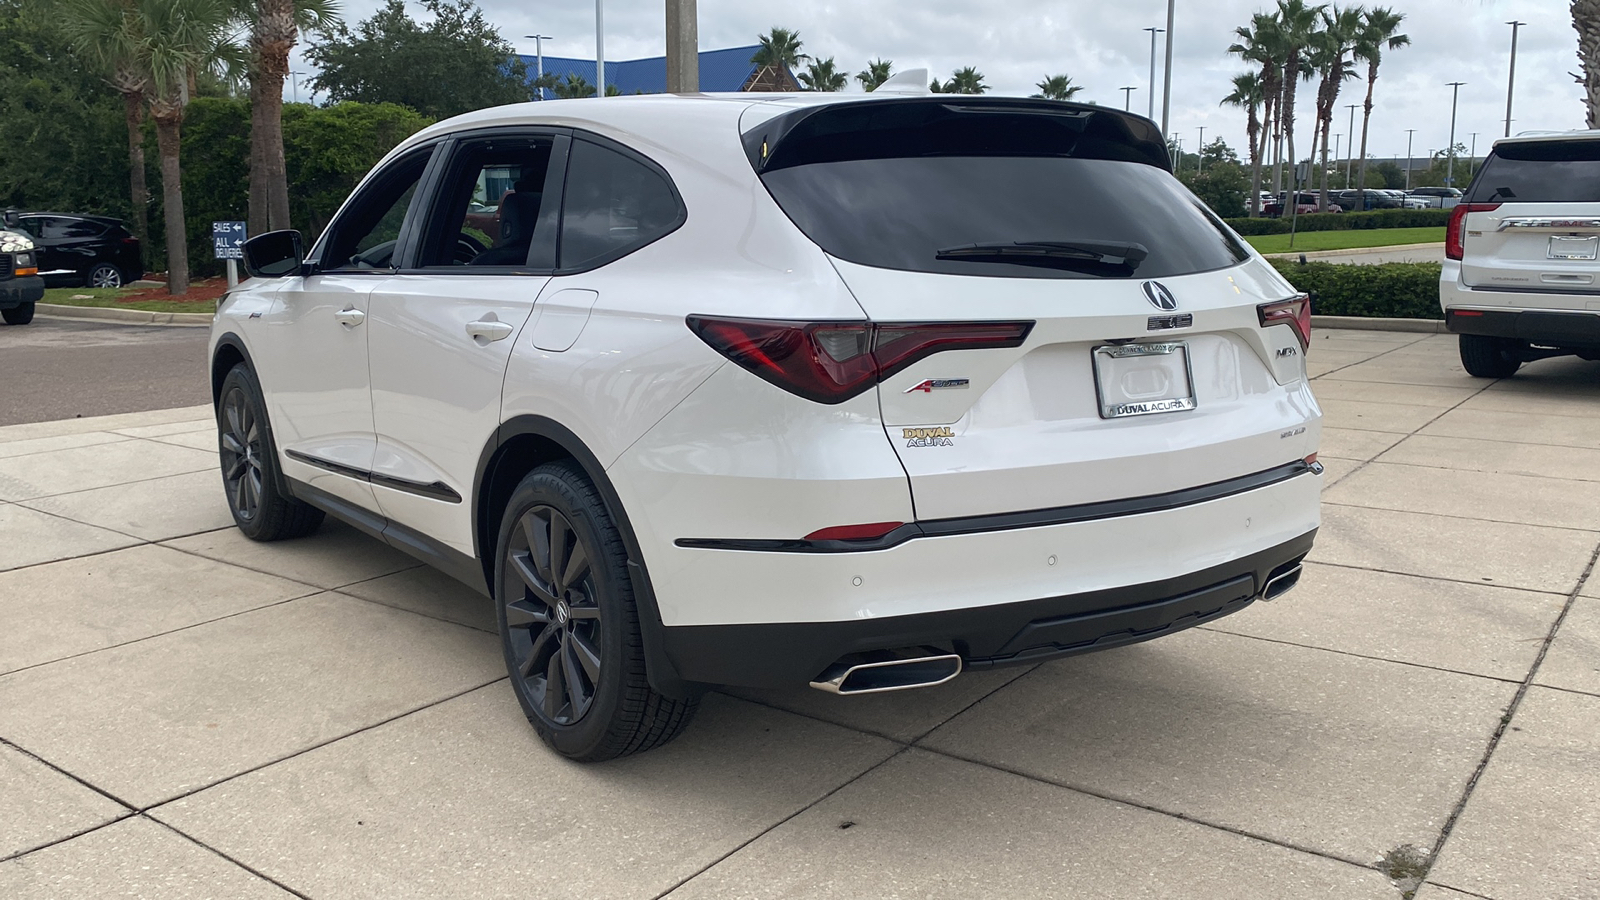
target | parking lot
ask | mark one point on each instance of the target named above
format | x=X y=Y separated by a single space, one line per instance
x=186 y=714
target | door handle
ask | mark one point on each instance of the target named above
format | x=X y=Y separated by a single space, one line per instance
x=349 y=317
x=489 y=329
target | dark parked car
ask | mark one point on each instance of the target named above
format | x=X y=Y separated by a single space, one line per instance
x=1306 y=202
x=20 y=287
x=1367 y=199
x=92 y=251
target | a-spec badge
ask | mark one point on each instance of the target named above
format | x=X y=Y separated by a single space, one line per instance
x=940 y=436
x=1162 y=323
x=1159 y=296
x=929 y=385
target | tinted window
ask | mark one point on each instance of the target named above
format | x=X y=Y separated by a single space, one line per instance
x=492 y=209
x=45 y=227
x=976 y=188
x=613 y=205
x=1540 y=172
x=366 y=234
x=82 y=228
x=900 y=213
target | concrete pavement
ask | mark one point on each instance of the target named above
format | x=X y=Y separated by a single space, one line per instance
x=184 y=713
x=1370 y=255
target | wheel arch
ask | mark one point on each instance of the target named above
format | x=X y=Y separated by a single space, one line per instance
x=520 y=445
x=228 y=352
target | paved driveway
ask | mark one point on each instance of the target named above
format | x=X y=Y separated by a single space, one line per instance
x=185 y=714
x=63 y=368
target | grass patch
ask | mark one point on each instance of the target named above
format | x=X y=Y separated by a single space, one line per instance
x=111 y=298
x=1345 y=240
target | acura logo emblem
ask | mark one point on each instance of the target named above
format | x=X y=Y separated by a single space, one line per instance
x=1159 y=296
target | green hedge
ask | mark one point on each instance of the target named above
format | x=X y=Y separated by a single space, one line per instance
x=1387 y=290
x=1357 y=221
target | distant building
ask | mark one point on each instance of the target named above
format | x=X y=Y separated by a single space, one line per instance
x=720 y=71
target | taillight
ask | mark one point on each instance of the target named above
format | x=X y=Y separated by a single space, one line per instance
x=830 y=362
x=1456 y=232
x=1295 y=312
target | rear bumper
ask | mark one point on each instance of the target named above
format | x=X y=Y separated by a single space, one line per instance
x=1557 y=328
x=17 y=291
x=790 y=653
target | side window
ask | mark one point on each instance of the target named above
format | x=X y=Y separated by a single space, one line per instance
x=83 y=228
x=45 y=227
x=367 y=233
x=613 y=206
x=492 y=207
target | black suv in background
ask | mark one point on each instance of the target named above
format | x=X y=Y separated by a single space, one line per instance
x=91 y=251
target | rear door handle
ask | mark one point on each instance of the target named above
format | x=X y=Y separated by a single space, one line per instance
x=349 y=317
x=489 y=329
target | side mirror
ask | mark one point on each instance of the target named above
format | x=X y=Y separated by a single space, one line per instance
x=276 y=254
x=11 y=219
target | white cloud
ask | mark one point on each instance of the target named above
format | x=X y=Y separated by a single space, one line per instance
x=1101 y=46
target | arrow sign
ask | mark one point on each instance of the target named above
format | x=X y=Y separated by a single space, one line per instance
x=226 y=239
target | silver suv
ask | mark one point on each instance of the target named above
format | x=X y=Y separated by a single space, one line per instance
x=1520 y=276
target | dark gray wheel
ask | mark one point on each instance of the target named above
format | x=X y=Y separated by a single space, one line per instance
x=569 y=626
x=1490 y=357
x=104 y=275
x=18 y=315
x=250 y=465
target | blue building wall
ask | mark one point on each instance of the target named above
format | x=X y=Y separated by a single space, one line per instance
x=720 y=70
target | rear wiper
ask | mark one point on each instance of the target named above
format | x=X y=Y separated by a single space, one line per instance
x=1073 y=254
x=1505 y=192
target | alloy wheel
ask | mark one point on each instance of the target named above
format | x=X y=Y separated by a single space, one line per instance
x=105 y=277
x=552 y=615
x=241 y=454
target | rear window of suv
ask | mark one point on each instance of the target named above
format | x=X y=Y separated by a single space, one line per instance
x=1010 y=188
x=1540 y=172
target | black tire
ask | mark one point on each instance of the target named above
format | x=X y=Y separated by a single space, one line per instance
x=1489 y=357
x=250 y=465
x=18 y=315
x=569 y=625
x=104 y=275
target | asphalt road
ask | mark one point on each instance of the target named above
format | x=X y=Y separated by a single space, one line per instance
x=64 y=368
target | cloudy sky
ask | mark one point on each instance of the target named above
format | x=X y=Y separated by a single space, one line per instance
x=1100 y=44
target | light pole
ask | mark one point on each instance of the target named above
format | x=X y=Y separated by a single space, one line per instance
x=1472 y=160
x=294 y=80
x=538 y=55
x=1409 y=133
x=1450 y=150
x=1511 y=78
x=599 y=48
x=1200 y=152
x=1151 y=114
x=1166 y=70
x=683 y=47
x=1348 y=155
x=1127 y=96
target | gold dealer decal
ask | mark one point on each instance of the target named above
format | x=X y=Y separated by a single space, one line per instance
x=928 y=437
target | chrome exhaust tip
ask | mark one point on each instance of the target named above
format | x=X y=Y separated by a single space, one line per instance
x=857 y=674
x=1281 y=583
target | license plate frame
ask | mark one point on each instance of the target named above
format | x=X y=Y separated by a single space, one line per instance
x=1573 y=247
x=1165 y=361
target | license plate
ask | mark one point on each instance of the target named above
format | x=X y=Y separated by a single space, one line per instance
x=1573 y=247
x=1141 y=379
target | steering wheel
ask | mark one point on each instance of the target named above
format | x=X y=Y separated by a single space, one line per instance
x=467 y=249
x=375 y=257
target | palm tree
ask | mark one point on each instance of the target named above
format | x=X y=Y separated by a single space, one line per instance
x=1330 y=54
x=1297 y=22
x=780 y=48
x=875 y=74
x=1378 y=34
x=820 y=75
x=1058 y=87
x=106 y=36
x=1248 y=96
x=575 y=87
x=1262 y=43
x=275 y=26
x=1586 y=21
x=966 y=80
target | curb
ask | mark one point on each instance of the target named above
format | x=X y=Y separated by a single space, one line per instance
x=1364 y=323
x=1312 y=255
x=124 y=316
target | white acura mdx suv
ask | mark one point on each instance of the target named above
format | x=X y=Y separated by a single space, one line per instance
x=1521 y=277
x=771 y=390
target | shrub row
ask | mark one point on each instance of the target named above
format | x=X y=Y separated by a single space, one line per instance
x=1387 y=290
x=1357 y=221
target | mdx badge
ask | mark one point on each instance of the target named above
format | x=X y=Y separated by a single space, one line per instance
x=1159 y=296
x=929 y=385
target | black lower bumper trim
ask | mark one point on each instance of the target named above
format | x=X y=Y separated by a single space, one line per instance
x=778 y=655
x=21 y=289
x=1559 y=329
